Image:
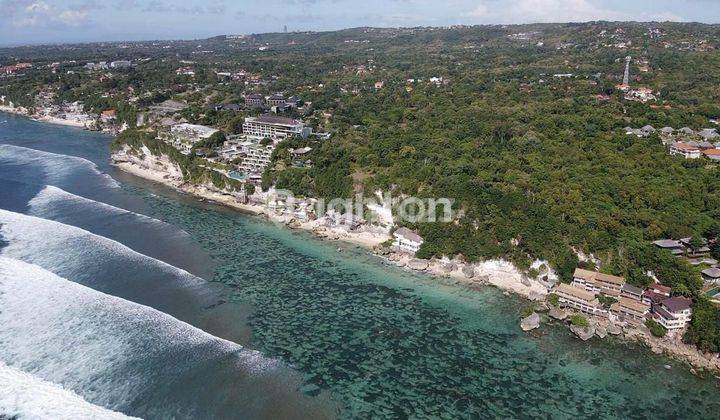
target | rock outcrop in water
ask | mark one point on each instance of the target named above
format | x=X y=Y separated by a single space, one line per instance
x=557 y=313
x=531 y=322
x=583 y=333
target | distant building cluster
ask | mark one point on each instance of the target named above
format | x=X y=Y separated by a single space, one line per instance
x=684 y=142
x=14 y=68
x=630 y=304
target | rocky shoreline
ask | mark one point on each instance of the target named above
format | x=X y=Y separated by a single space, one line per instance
x=499 y=273
x=670 y=346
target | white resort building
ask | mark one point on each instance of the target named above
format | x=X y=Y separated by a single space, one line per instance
x=580 y=299
x=595 y=282
x=673 y=313
x=688 y=151
x=407 y=240
x=274 y=127
x=257 y=157
x=630 y=310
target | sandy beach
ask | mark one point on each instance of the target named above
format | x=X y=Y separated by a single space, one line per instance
x=45 y=118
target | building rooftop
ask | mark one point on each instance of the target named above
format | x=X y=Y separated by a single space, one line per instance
x=713 y=273
x=632 y=289
x=658 y=309
x=576 y=292
x=408 y=234
x=594 y=275
x=668 y=243
x=677 y=304
x=274 y=119
x=685 y=146
x=631 y=304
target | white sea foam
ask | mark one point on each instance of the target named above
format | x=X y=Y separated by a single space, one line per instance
x=50 y=197
x=109 y=350
x=55 y=166
x=55 y=246
x=28 y=397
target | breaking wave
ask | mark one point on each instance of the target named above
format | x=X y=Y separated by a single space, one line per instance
x=113 y=352
x=52 y=201
x=57 y=168
x=25 y=396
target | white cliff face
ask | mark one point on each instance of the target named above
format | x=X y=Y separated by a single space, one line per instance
x=147 y=165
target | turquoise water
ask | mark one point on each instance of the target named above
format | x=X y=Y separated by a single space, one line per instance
x=379 y=341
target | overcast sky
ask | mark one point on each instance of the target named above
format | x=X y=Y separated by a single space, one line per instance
x=52 y=21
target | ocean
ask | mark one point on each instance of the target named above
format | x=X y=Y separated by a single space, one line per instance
x=150 y=303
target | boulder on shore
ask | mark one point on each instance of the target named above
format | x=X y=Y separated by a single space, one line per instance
x=449 y=267
x=601 y=332
x=557 y=313
x=613 y=329
x=417 y=264
x=469 y=271
x=541 y=306
x=531 y=322
x=583 y=333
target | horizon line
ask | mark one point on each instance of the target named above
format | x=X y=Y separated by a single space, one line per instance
x=449 y=27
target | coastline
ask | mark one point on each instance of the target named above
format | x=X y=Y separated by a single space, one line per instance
x=45 y=119
x=498 y=273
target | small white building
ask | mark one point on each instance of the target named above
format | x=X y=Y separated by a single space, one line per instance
x=407 y=240
x=673 y=313
x=688 y=151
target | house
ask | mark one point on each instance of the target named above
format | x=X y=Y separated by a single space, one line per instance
x=574 y=297
x=648 y=129
x=655 y=294
x=711 y=275
x=407 y=240
x=712 y=154
x=687 y=150
x=274 y=127
x=632 y=292
x=667 y=131
x=673 y=313
x=695 y=252
x=686 y=131
x=596 y=283
x=254 y=100
x=708 y=134
x=706 y=145
x=630 y=310
x=108 y=115
x=675 y=247
x=276 y=100
x=292 y=102
x=299 y=156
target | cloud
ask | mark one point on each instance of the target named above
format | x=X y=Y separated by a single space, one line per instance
x=527 y=11
x=531 y=11
x=29 y=13
x=216 y=7
x=72 y=17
